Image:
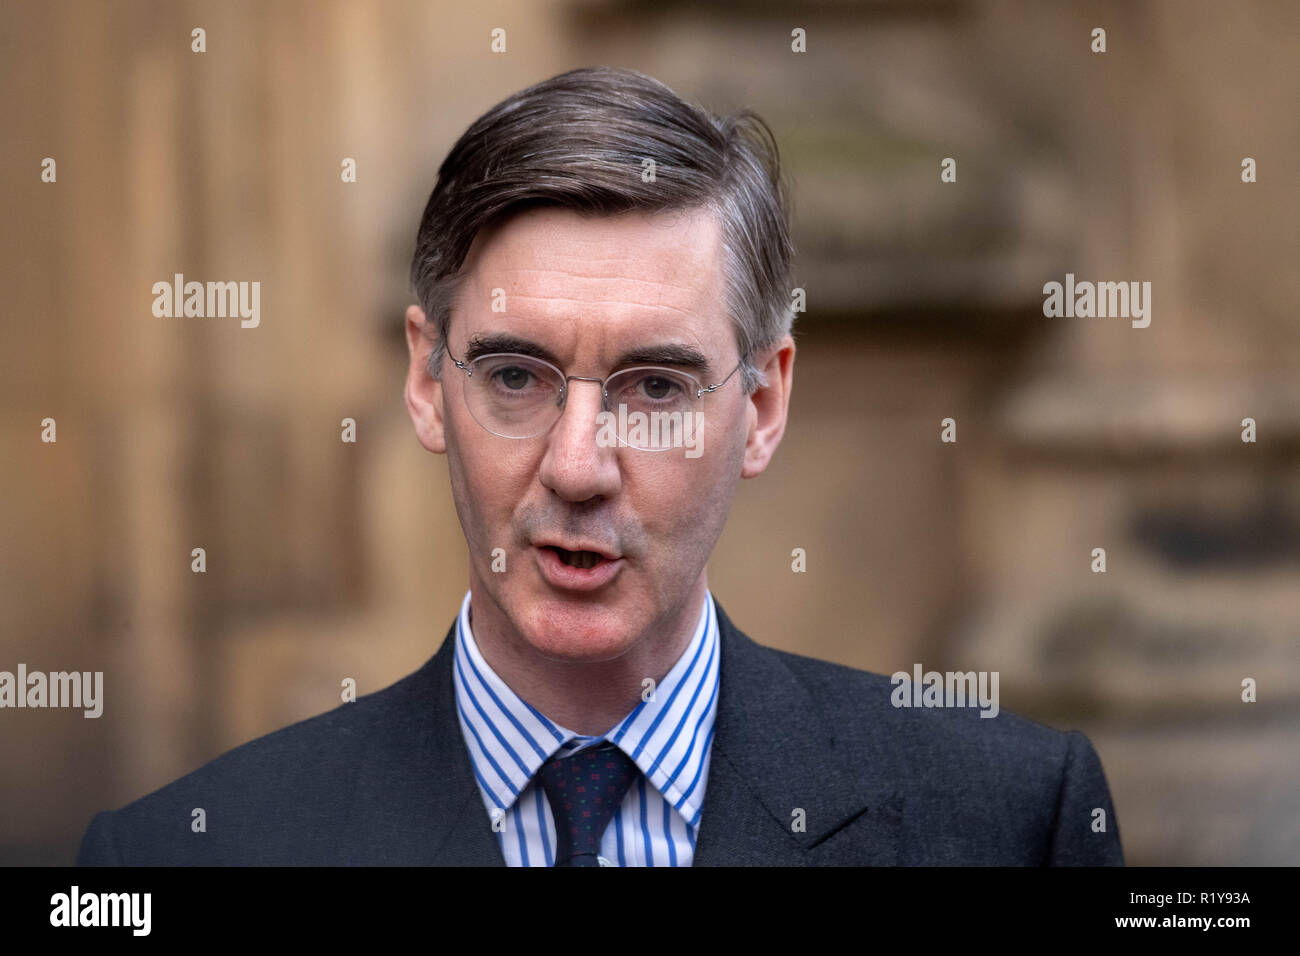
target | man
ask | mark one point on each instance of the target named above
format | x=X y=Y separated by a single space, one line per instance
x=602 y=350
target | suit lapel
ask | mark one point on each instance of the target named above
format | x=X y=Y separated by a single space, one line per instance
x=451 y=826
x=774 y=754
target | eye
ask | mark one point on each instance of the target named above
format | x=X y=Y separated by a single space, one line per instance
x=651 y=390
x=659 y=388
x=513 y=377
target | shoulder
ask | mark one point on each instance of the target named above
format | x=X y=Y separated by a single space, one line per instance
x=329 y=744
x=852 y=699
x=999 y=789
x=306 y=774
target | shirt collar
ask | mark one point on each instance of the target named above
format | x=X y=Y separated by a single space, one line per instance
x=668 y=736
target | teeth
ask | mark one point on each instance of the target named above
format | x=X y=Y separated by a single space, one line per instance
x=579 y=559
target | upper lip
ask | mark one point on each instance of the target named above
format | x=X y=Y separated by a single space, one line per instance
x=604 y=552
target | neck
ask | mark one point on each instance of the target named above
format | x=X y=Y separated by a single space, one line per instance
x=587 y=698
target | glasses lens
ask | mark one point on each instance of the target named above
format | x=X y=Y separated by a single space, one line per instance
x=654 y=408
x=513 y=396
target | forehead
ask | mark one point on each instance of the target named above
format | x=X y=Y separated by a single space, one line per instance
x=639 y=270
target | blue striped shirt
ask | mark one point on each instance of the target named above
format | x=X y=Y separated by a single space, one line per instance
x=669 y=737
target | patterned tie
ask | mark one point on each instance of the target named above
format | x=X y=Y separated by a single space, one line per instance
x=584 y=791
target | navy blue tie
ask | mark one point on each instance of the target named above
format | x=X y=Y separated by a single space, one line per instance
x=584 y=790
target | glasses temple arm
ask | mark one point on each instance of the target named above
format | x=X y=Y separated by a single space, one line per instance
x=712 y=388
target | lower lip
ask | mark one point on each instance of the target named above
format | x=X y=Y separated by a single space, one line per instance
x=569 y=578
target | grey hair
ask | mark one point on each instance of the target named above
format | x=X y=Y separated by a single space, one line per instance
x=579 y=140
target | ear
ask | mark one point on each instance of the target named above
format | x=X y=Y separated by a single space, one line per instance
x=768 y=407
x=423 y=391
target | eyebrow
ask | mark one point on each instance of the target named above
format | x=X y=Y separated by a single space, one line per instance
x=676 y=354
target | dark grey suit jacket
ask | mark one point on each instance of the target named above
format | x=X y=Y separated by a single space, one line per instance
x=387 y=780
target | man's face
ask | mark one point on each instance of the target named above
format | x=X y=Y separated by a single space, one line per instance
x=588 y=292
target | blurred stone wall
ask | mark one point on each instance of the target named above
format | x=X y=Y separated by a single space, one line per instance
x=328 y=560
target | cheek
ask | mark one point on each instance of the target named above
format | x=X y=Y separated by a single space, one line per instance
x=487 y=482
x=462 y=497
x=684 y=504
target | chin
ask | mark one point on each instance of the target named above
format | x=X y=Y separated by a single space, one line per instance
x=575 y=631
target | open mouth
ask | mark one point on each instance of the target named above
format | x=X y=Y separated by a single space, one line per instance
x=577 y=559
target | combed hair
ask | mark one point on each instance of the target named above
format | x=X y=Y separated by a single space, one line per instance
x=579 y=141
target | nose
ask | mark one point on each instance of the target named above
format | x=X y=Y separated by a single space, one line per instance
x=575 y=466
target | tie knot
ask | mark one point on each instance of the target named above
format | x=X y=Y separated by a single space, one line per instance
x=584 y=790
